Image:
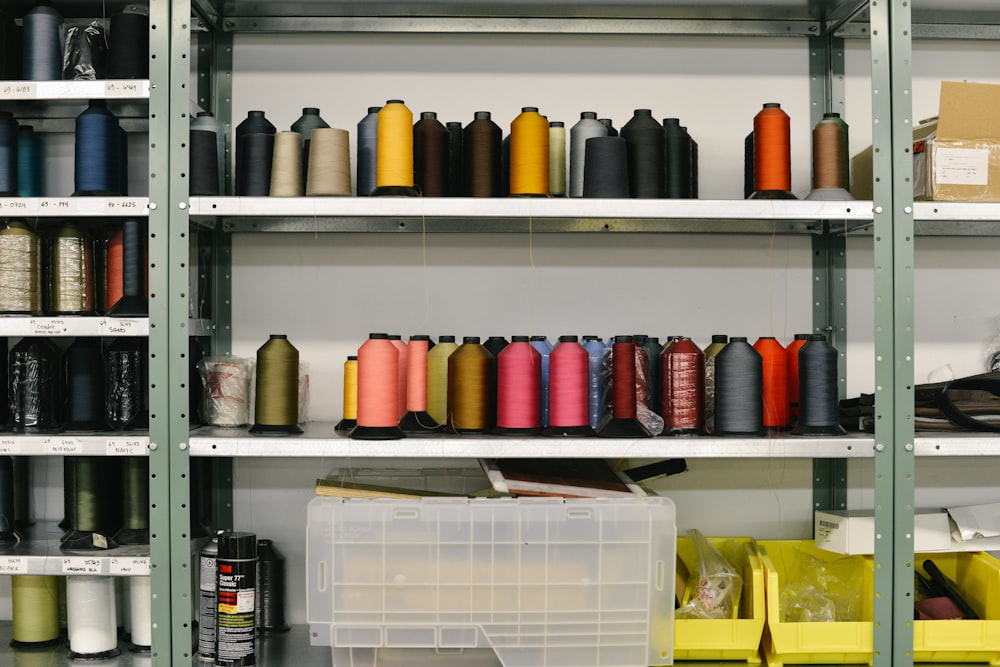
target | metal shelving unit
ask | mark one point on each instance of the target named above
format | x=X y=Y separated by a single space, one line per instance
x=889 y=219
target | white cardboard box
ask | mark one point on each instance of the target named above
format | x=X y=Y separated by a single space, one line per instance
x=852 y=532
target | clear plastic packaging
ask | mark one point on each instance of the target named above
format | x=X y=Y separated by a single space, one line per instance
x=86 y=52
x=818 y=591
x=226 y=384
x=715 y=585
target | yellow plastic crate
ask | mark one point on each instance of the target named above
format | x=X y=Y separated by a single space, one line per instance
x=724 y=639
x=977 y=575
x=812 y=643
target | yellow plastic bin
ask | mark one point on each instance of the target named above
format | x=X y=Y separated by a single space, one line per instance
x=812 y=643
x=977 y=575
x=724 y=639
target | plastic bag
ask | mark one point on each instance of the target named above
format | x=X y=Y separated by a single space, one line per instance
x=822 y=591
x=714 y=587
x=226 y=383
x=86 y=53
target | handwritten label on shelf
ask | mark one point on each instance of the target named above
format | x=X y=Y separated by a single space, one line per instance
x=13 y=565
x=47 y=326
x=9 y=446
x=64 y=445
x=18 y=90
x=81 y=566
x=131 y=205
x=14 y=205
x=126 y=447
x=135 y=566
x=122 y=88
x=117 y=327
x=55 y=206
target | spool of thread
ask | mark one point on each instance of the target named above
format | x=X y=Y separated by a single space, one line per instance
x=367 y=151
x=226 y=390
x=605 y=168
x=678 y=160
x=557 y=159
x=10 y=53
x=587 y=127
x=651 y=346
x=394 y=150
x=682 y=375
x=519 y=388
x=85 y=384
x=43 y=43
x=254 y=153
x=748 y=166
x=597 y=353
x=719 y=341
x=276 y=406
x=204 y=163
x=694 y=167
x=416 y=419
x=91 y=617
x=134 y=501
x=609 y=126
x=624 y=410
x=286 y=165
x=437 y=378
x=544 y=347
x=205 y=121
x=270 y=588
x=30 y=163
x=208 y=598
x=350 y=419
x=792 y=354
x=140 y=614
x=481 y=142
x=645 y=142
x=642 y=366
x=23 y=488
x=122 y=182
x=9 y=155
x=8 y=531
x=529 y=154
x=128 y=46
x=33 y=386
x=35 y=604
x=4 y=382
x=830 y=163
x=430 y=155
x=329 y=163
x=505 y=166
x=819 y=395
x=86 y=53
x=20 y=270
x=127 y=276
x=71 y=279
x=93 y=499
x=235 y=644
x=378 y=390
x=456 y=157
x=774 y=366
x=310 y=120
x=98 y=151
x=125 y=385
x=772 y=154
x=738 y=390
x=471 y=379
x=401 y=369
x=495 y=345
x=569 y=389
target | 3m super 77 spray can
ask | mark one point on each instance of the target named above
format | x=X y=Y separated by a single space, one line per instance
x=236 y=623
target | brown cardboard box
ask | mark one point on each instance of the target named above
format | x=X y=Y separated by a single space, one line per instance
x=956 y=157
x=861 y=164
x=965 y=153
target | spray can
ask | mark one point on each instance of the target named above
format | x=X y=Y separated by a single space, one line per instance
x=208 y=601
x=236 y=633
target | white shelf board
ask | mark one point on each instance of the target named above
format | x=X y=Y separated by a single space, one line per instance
x=70 y=325
x=38 y=552
x=108 y=89
x=957 y=444
x=46 y=207
x=321 y=440
x=75 y=444
x=526 y=207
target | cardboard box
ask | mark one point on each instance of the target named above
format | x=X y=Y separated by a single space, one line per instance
x=964 y=160
x=852 y=532
x=861 y=164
